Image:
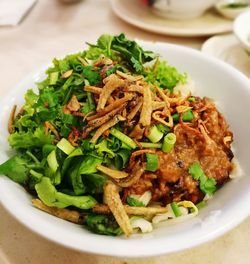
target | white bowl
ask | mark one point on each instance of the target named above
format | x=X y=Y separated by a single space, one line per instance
x=231 y=12
x=241 y=29
x=181 y=9
x=229 y=207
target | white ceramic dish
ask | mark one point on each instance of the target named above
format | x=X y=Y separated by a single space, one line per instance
x=231 y=12
x=134 y=13
x=228 y=208
x=181 y=9
x=229 y=49
x=241 y=29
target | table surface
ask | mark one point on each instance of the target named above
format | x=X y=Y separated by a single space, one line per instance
x=52 y=30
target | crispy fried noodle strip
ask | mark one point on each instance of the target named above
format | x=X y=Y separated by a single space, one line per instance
x=113 y=200
x=66 y=214
x=105 y=127
x=112 y=82
x=145 y=118
x=103 y=119
x=11 y=119
x=115 y=174
x=157 y=115
x=131 y=210
x=115 y=104
x=93 y=89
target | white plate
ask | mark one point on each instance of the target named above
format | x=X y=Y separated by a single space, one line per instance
x=228 y=208
x=135 y=13
x=229 y=49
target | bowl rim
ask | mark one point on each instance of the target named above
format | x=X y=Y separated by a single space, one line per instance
x=236 y=28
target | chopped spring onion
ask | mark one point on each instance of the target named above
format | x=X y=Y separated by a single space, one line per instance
x=187 y=116
x=125 y=146
x=52 y=161
x=201 y=204
x=141 y=223
x=133 y=201
x=139 y=200
x=176 y=209
x=124 y=138
x=36 y=174
x=191 y=99
x=168 y=142
x=152 y=162
x=65 y=146
x=155 y=135
x=150 y=145
x=53 y=77
x=91 y=102
x=176 y=117
x=57 y=178
x=163 y=128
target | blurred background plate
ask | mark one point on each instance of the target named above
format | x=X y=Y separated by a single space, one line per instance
x=139 y=15
x=3 y=258
x=228 y=49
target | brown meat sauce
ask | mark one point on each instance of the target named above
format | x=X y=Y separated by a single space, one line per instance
x=171 y=182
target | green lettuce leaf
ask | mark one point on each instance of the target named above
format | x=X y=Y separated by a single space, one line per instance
x=27 y=140
x=16 y=169
x=165 y=76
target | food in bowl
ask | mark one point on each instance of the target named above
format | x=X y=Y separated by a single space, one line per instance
x=231 y=9
x=180 y=9
x=115 y=140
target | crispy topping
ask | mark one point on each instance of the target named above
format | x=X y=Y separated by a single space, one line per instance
x=161 y=117
x=110 y=107
x=66 y=214
x=73 y=104
x=115 y=205
x=94 y=123
x=134 y=177
x=11 y=119
x=105 y=127
x=48 y=126
x=115 y=174
x=131 y=210
x=112 y=82
x=129 y=77
x=145 y=118
x=67 y=74
x=93 y=89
